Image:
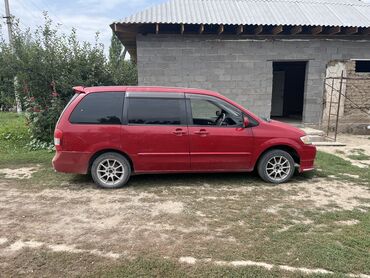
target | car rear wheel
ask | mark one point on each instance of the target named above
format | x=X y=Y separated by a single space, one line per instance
x=276 y=166
x=110 y=170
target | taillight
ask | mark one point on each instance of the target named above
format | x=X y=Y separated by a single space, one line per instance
x=58 y=134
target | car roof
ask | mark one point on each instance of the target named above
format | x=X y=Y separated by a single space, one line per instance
x=156 y=89
x=146 y=89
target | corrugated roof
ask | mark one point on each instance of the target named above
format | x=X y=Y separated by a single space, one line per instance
x=345 y=13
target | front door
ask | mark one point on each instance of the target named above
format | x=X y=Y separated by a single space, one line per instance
x=218 y=140
x=156 y=134
x=277 y=100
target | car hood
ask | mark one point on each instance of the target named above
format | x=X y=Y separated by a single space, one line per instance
x=286 y=127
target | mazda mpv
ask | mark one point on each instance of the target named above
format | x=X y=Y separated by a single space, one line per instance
x=117 y=131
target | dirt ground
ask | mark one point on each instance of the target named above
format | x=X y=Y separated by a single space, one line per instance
x=62 y=225
x=224 y=219
x=354 y=145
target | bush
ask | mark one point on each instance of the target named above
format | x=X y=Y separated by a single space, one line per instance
x=47 y=64
x=41 y=119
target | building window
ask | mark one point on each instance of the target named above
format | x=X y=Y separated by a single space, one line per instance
x=362 y=66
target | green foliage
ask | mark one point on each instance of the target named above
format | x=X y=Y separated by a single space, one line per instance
x=46 y=64
x=42 y=119
x=7 y=74
x=122 y=71
x=115 y=49
x=36 y=144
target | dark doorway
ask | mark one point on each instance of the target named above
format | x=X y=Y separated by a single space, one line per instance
x=288 y=90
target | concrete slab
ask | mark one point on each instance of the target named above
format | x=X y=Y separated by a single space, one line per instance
x=329 y=144
x=313 y=131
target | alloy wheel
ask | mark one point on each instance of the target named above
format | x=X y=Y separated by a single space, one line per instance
x=110 y=171
x=278 y=168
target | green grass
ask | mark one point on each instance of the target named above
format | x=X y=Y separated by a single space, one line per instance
x=359 y=154
x=327 y=244
x=332 y=165
x=154 y=267
x=43 y=263
x=14 y=137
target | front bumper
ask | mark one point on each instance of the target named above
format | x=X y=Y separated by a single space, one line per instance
x=71 y=162
x=307 y=158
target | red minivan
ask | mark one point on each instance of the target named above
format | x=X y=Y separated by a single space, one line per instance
x=114 y=132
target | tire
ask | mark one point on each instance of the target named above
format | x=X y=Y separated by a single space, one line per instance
x=276 y=166
x=110 y=170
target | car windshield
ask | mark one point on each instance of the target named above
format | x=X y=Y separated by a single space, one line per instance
x=265 y=119
x=229 y=108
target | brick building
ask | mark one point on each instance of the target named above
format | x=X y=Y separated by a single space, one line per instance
x=353 y=107
x=271 y=56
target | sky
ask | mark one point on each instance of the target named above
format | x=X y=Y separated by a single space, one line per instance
x=87 y=16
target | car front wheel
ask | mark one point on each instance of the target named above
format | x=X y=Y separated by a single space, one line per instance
x=276 y=166
x=110 y=170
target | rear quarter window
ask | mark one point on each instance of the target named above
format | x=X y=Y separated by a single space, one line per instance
x=65 y=108
x=99 y=108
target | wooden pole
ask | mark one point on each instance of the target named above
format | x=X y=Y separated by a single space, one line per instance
x=201 y=29
x=338 y=110
x=331 y=100
x=220 y=29
x=240 y=29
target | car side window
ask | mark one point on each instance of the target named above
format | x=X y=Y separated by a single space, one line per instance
x=207 y=112
x=204 y=112
x=99 y=108
x=156 y=111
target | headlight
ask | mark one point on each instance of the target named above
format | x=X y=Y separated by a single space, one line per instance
x=306 y=140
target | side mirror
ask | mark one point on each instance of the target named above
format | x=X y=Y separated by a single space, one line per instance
x=245 y=121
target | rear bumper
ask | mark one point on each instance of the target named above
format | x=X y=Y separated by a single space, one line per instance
x=71 y=162
x=307 y=158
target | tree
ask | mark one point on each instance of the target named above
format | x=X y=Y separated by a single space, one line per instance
x=7 y=100
x=123 y=72
x=47 y=64
x=115 y=49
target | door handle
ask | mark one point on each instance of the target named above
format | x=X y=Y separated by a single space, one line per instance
x=179 y=132
x=201 y=132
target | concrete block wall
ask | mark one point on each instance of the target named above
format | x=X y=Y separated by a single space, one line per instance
x=241 y=68
x=356 y=116
x=357 y=92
